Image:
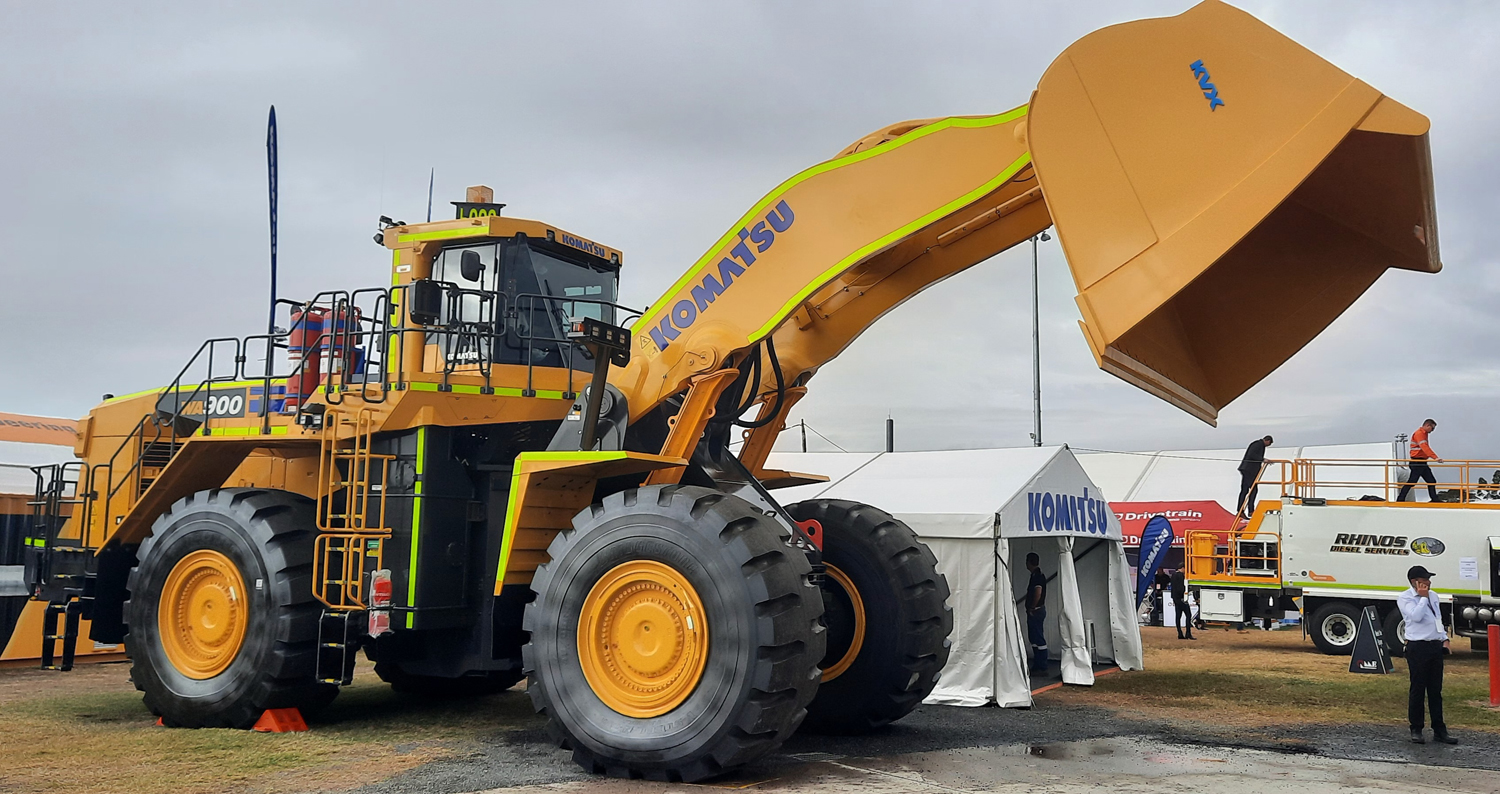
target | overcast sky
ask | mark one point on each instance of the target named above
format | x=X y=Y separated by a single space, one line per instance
x=133 y=194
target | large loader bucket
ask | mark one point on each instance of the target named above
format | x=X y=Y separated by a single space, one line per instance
x=1222 y=195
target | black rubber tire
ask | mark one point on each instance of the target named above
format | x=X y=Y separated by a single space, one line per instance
x=762 y=613
x=1393 y=628
x=472 y=685
x=1334 y=627
x=269 y=537
x=908 y=619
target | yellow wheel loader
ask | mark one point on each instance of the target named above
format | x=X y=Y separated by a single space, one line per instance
x=489 y=469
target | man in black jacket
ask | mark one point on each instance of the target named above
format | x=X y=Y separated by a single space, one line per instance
x=1036 y=613
x=1250 y=467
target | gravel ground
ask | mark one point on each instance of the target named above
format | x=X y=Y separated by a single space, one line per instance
x=526 y=757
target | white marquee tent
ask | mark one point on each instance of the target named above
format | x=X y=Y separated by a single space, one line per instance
x=981 y=511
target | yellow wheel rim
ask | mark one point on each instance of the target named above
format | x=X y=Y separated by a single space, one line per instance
x=838 y=668
x=202 y=615
x=643 y=639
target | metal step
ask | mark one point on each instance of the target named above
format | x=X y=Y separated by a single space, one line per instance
x=338 y=646
x=69 y=613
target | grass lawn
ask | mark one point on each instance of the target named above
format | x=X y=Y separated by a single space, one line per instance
x=1254 y=679
x=87 y=731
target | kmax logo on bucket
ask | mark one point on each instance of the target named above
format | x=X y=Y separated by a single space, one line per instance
x=1061 y=512
x=719 y=279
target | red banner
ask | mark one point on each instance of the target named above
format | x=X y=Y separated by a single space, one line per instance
x=1185 y=517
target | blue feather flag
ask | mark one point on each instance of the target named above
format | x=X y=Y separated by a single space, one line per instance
x=1156 y=541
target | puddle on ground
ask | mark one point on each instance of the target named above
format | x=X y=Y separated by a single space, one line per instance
x=1067 y=750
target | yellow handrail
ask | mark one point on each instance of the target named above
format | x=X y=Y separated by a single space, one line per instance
x=1300 y=478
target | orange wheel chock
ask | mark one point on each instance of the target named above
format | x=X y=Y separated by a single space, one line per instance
x=280 y=721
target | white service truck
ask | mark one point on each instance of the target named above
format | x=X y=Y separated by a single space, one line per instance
x=1331 y=558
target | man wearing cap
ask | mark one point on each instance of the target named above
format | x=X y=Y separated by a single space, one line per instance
x=1426 y=643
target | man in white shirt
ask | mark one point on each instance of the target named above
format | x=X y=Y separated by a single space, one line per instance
x=1426 y=643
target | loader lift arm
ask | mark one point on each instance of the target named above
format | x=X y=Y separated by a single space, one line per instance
x=1177 y=210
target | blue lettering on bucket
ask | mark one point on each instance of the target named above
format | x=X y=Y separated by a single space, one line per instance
x=1210 y=92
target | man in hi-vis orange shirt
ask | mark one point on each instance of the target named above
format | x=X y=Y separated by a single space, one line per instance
x=1421 y=453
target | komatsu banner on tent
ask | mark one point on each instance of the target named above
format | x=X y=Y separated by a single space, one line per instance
x=981 y=512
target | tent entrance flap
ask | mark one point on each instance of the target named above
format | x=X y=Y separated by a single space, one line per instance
x=1222 y=194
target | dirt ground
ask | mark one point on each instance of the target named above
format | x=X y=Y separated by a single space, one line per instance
x=86 y=731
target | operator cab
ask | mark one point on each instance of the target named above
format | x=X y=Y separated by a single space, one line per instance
x=517 y=296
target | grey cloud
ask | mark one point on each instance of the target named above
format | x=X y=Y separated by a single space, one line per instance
x=134 y=193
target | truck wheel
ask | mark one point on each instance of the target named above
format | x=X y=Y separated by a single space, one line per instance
x=221 y=620
x=1333 y=628
x=1395 y=632
x=472 y=685
x=674 y=635
x=887 y=616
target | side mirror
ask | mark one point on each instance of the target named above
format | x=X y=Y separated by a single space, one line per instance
x=470 y=266
x=426 y=302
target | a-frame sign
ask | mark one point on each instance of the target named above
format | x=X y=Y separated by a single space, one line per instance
x=1370 y=652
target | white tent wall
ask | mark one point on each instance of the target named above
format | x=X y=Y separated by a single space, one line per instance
x=964 y=545
x=1077 y=663
x=1011 y=681
x=1124 y=629
x=969 y=565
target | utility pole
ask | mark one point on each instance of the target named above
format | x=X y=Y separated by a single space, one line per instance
x=803 y=423
x=890 y=434
x=1036 y=343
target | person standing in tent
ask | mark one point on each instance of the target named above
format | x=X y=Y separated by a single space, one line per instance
x=1036 y=612
x=1250 y=468
x=1184 y=612
x=1421 y=453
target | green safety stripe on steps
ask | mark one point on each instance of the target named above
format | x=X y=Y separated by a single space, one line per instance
x=40 y=543
x=500 y=391
x=416 y=524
